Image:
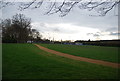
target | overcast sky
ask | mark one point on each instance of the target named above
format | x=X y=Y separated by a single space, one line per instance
x=77 y=25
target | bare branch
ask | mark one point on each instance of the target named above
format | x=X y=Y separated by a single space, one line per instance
x=102 y=8
x=66 y=11
x=110 y=8
x=4 y=4
x=64 y=7
x=39 y=4
x=25 y=6
x=51 y=7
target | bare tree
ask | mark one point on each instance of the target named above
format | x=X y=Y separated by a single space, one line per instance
x=64 y=7
x=36 y=36
x=35 y=33
x=16 y=29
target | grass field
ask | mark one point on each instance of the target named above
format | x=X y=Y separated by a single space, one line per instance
x=26 y=61
x=94 y=52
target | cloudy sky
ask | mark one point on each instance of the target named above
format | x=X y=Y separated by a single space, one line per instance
x=77 y=25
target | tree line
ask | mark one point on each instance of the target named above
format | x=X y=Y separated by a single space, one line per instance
x=18 y=29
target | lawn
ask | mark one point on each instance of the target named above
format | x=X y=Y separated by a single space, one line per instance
x=26 y=61
x=94 y=52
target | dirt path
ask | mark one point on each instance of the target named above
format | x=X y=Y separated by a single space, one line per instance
x=105 y=63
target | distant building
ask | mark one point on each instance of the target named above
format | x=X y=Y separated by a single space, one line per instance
x=29 y=41
x=77 y=43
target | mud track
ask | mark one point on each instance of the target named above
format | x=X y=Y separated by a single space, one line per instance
x=105 y=63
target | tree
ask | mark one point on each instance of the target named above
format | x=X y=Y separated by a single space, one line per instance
x=16 y=29
x=6 y=31
x=22 y=27
x=36 y=37
x=64 y=7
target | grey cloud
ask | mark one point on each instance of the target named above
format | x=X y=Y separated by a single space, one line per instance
x=56 y=30
x=114 y=33
x=51 y=28
x=95 y=34
x=42 y=25
x=112 y=29
x=62 y=30
x=89 y=33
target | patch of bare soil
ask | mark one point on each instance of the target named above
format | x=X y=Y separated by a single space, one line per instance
x=105 y=63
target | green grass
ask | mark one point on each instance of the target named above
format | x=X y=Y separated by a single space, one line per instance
x=94 y=52
x=26 y=61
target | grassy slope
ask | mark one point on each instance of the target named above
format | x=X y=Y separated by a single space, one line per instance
x=25 y=61
x=94 y=52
